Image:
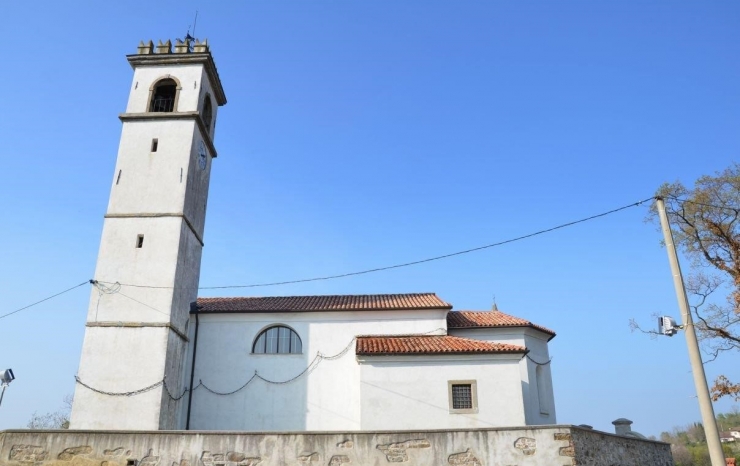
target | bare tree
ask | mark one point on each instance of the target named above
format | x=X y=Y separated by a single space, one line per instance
x=55 y=420
x=705 y=222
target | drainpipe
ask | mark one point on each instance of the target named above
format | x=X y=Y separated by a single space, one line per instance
x=194 y=310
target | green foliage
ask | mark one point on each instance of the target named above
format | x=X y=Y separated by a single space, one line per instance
x=729 y=420
x=689 y=445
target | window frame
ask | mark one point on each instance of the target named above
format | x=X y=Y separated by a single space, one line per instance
x=276 y=338
x=473 y=395
x=153 y=90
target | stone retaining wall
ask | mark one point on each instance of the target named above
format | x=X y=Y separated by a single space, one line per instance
x=525 y=446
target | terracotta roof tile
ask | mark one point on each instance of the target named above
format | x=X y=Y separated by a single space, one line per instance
x=429 y=344
x=489 y=319
x=373 y=302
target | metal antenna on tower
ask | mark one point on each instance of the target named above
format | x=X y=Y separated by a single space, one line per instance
x=188 y=38
x=195 y=23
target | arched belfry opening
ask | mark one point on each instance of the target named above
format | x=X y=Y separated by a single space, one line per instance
x=164 y=96
x=207 y=113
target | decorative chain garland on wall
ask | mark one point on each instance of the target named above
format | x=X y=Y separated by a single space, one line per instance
x=310 y=368
x=539 y=363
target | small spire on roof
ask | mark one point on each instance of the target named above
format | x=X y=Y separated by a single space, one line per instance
x=494 y=308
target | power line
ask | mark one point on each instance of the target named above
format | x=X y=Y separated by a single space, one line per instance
x=350 y=274
x=46 y=299
x=713 y=206
x=408 y=264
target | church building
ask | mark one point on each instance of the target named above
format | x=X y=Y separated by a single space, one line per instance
x=157 y=357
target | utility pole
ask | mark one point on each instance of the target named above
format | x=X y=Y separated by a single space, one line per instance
x=697 y=368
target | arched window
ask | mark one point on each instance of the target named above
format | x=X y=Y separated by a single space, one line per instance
x=163 y=96
x=278 y=340
x=207 y=113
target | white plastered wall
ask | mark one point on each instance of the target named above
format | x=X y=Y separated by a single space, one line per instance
x=192 y=79
x=145 y=350
x=411 y=392
x=539 y=404
x=327 y=398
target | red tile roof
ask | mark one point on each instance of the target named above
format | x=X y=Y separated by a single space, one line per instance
x=373 y=302
x=429 y=344
x=489 y=319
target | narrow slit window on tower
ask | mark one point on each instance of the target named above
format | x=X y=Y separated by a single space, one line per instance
x=207 y=113
x=542 y=390
x=155 y=144
x=140 y=241
x=118 y=178
x=163 y=97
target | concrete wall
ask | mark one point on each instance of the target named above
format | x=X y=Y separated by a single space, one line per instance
x=546 y=445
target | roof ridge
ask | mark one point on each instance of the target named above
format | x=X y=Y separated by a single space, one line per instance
x=321 y=295
x=319 y=303
x=402 y=335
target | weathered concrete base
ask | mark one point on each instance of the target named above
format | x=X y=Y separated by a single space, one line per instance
x=520 y=446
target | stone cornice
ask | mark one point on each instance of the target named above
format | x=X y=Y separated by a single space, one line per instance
x=168 y=325
x=149 y=116
x=160 y=215
x=204 y=59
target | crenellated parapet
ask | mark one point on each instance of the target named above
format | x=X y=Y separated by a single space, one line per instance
x=165 y=48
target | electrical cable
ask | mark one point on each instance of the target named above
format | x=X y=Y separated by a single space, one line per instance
x=45 y=299
x=350 y=274
x=689 y=201
x=406 y=264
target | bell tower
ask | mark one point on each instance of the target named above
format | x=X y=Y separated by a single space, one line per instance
x=148 y=268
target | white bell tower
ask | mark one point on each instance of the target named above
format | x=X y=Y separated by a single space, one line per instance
x=149 y=261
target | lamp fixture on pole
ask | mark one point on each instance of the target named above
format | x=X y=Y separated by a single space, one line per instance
x=6 y=377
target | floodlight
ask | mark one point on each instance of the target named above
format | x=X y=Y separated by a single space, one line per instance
x=667 y=326
x=6 y=376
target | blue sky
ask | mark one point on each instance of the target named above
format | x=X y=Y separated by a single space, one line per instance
x=364 y=134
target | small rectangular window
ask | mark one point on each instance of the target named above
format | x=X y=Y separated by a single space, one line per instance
x=140 y=241
x=155 y=144
x=463 y=396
